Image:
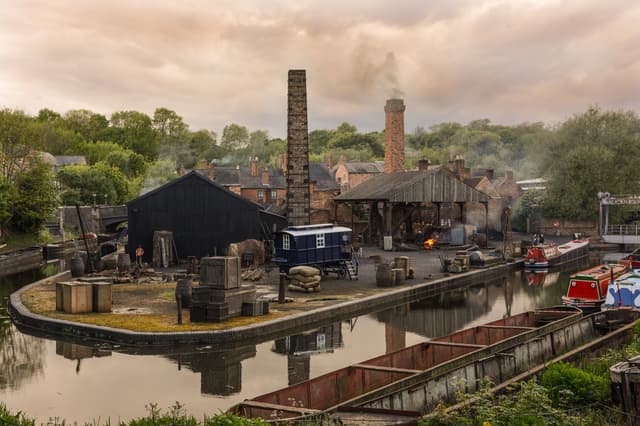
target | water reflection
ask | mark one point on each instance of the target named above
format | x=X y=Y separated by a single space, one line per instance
x=50 y=376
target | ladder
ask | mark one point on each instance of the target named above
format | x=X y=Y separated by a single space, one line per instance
x=351 y=266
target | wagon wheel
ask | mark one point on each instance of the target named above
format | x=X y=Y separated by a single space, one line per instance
x=342 y=272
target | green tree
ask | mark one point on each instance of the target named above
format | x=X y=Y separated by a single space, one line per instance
x=234 y=137
x=80 y=183
x=36 y=197
x=89 y=125
x=597 y=151
x=14 y=143
x=134 y=130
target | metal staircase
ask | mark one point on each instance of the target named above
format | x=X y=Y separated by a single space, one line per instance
x=351 y=266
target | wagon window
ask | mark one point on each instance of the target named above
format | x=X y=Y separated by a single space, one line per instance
x=285 y=242
x=319 y=240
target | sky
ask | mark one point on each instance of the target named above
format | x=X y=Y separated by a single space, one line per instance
x=218 y=62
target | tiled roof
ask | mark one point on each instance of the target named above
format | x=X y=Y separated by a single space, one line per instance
x=364 y=167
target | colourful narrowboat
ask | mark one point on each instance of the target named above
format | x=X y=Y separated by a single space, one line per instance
x=624 y=292
x=550 y=254
x=588 y=289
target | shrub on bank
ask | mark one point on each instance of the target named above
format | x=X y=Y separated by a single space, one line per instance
x=571 y=386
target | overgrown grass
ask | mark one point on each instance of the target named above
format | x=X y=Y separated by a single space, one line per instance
x=173 y=416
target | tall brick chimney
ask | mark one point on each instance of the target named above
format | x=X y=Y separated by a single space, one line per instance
x=298 y=195
x=394 y=136
x=265 y=176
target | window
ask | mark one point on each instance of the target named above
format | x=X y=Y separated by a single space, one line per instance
x=274 y=195
x=319 y=240
x=285 y=242
x=260 y=194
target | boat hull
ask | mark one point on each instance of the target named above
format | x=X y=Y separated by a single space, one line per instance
x=418 y=377
x=549 y=254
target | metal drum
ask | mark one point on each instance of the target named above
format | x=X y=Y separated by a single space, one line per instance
x=384 y=276
x=76 y=266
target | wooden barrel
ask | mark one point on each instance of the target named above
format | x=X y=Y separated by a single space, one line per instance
x=384 y=277
x=123 y=262
x=183 y=289
x=76 y=266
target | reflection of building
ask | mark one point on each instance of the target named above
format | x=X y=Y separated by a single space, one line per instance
x=299 y=348
x=448 y=312
x=221 y=372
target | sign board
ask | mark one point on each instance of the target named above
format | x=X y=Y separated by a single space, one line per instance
x=631 y=200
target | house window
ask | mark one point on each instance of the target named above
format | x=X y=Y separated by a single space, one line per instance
x=319 y=240
x=260 y=194
x=274 y=195
x=285 y=242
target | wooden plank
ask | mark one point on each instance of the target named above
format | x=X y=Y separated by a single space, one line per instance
x=506 y=327
x=386 y=369
x=286 y=408
x=461 y=345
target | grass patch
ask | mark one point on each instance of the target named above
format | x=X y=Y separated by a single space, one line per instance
x=41 y=300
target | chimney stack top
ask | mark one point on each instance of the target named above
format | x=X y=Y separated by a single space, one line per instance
x=394 y=105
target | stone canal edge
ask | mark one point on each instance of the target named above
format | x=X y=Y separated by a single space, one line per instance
x=267 y=330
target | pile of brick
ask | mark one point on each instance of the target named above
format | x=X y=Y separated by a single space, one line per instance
x=304 y=278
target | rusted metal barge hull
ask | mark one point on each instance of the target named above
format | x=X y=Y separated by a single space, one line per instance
x=20 y=260
x=416 y=378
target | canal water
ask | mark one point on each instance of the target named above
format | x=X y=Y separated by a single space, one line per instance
x=49 y=378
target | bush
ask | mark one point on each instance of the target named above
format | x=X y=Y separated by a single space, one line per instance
x=571 y=386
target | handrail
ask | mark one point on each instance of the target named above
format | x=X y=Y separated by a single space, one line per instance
x=622 y=230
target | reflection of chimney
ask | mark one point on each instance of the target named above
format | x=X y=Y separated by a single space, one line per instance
x=423 y=164
x=489 y=173
x=212 y=171
x=253 y=165
x=394 y=136
x=265 y=176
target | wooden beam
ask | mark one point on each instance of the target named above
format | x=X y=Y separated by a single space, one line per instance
x=287 y=408
x=454 y=344
x=386 y=369
x=515 y=327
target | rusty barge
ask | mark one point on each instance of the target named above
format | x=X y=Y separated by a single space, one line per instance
x=415 y=379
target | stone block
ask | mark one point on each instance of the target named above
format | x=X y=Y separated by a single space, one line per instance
x=102 y=297
x=222 y=272
x=217 y=312
x=77 y=298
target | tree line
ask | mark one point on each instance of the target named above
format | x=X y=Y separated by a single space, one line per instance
x=131 y=152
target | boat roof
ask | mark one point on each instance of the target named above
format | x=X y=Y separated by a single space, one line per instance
x=322 y=228
x=573 y=244
x=630 y=278
x=599 y=270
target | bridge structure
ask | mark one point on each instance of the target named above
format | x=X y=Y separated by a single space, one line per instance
x=112 y=216
x=627 y=234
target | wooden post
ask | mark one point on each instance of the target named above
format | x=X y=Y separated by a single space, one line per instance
x=179 y=303
x=282 y=287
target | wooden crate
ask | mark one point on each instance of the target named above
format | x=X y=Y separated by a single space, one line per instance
x=77 y=298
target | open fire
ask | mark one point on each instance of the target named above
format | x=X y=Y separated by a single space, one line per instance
x=429 y=243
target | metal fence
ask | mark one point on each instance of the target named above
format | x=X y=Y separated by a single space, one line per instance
x=623 y=230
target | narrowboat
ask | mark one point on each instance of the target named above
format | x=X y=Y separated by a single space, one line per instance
x=624 y=292
x=550 y=254
x=588 y=289
x=418 y=377
x=325 y=246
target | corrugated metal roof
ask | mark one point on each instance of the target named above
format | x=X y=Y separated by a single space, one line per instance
x=433 y=185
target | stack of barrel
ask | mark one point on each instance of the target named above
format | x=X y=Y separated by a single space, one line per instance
x=304 y=278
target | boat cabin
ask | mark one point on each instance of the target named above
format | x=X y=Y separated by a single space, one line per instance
x=588 y=289
x=322 y=245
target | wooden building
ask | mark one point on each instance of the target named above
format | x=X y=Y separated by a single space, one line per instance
x=396 y=202
x=203 y=216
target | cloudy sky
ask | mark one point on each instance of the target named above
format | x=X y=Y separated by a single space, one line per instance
x=217 y=62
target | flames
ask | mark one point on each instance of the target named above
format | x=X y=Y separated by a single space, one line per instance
x=428 y=244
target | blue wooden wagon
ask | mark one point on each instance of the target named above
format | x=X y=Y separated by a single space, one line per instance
x=324 y=246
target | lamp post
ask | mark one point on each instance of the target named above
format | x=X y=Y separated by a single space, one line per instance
x=94 y=199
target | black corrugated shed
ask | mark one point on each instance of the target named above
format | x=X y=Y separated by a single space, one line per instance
x=203 y=216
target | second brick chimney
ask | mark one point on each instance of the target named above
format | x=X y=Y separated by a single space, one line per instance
x=394 y=136
x=265 y=176
x=253 y=166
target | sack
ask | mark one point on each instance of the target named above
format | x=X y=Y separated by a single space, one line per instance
x=304 y=279
x=310 y=284
x=307 y=271
x=292 y=287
